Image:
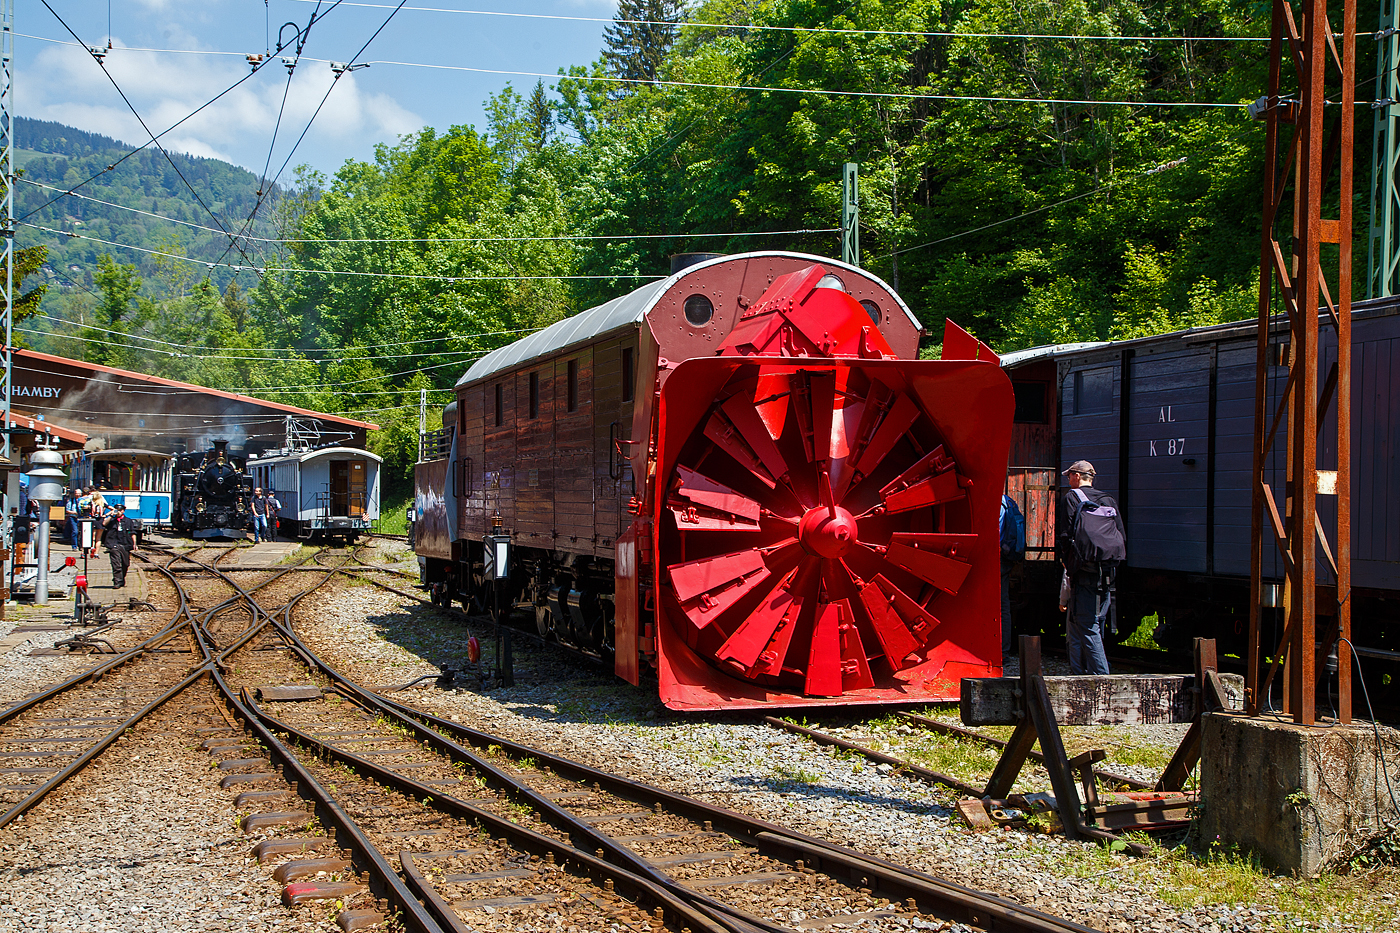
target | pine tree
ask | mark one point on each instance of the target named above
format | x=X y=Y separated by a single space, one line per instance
x=641 y=34
x=539 y=117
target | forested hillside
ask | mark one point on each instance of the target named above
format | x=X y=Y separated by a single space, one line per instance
x=54 y=158
x=1130 y=205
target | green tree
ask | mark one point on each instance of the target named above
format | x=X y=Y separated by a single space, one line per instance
x=636 y=42
x=28 y=261
x=117 y=311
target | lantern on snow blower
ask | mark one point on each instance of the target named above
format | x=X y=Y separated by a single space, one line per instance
x=825 y=515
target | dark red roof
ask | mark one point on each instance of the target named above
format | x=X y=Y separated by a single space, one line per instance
x=203 y=390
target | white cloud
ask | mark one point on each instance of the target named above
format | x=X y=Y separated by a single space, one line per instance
x=166 y=88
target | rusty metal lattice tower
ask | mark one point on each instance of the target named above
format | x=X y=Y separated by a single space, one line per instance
x=1303 y=282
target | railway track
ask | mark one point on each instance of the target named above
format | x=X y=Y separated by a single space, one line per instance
x=49 y=736
x=375 y=809
x=701 y=866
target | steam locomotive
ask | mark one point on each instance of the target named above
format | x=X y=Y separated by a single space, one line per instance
x=212 y=493
x=740 y=476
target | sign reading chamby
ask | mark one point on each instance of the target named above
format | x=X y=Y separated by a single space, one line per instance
x=49 y=392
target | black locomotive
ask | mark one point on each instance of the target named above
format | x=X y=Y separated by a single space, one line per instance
x=212 y=494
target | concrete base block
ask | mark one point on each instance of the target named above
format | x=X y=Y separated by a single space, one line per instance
x=1300 y=797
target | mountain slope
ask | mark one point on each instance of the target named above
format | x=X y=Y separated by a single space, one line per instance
x=60 y=157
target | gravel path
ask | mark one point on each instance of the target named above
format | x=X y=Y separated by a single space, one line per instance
x=382 y=640
x=23 y=673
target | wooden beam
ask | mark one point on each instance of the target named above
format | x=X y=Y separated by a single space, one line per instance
x=1089 y=700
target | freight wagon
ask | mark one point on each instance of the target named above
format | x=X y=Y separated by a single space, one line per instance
x=1168 y=423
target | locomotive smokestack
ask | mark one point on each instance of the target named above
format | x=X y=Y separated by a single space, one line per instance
x=685 y=260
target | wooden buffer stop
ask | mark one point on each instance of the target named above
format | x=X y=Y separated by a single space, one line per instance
x=1038 y=706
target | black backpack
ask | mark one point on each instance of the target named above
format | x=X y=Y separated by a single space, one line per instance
x=1093 y=529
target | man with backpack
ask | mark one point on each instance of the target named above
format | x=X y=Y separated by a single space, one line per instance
x=1089 y=541
x=1012 y=528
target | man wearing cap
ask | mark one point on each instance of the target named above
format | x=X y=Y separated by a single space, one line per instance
x=1090 y=596
x=121 y=536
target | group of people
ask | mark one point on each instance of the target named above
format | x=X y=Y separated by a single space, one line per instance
x=264 y=507
x=119 y=533
x=1090 y=545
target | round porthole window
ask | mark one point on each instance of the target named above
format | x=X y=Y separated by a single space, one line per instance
x=872 y=309
x=699 y=310
x=832 y=281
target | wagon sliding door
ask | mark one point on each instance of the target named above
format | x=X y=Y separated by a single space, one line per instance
x=1168 y=459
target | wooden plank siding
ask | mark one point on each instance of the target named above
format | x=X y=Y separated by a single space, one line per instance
x=1089 y=430
x=612 y=420
x=472 y=521
x=1032 y=478
x=498 y=461
x=572 y=452
x=1168 y=411
x=534 y=456
x=1234 y=456
x=1375 y=513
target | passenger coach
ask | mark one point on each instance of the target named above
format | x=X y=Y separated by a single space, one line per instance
x=138 y=479
x=330 y=492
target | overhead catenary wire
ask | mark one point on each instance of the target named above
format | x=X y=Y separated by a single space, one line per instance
x=899 y=95
x=147 y=129
x=256 y=67
x=337 y=350
x=264 y=184
x=294 y=271
x=828 y=92
x=565 y=238
x=208 y=353
x=755 y=27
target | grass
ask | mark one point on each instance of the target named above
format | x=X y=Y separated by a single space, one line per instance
x=1142 y=637
x=799 y=775
x=393 y=517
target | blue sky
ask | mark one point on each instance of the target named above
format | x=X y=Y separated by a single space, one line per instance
x=62 y=82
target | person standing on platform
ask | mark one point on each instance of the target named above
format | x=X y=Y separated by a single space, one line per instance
x=121 y=534
x=100 y=510
x=258 y=505
x=19 y=531
x=1090 y=542
x=273 y=507
x=70 y=516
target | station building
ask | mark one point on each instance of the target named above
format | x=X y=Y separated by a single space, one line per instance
x=86 y=407
x=117 y=408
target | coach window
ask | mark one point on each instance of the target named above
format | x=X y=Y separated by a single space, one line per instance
x=627 y=374
x=534 y=395
x=500 y=404
x=1032 y=405
x=572 y=367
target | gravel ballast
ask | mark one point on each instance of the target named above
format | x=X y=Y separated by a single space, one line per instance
x=141 y=841
x=383 y=640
